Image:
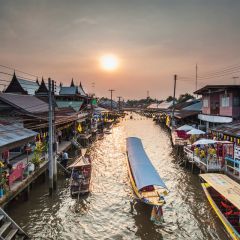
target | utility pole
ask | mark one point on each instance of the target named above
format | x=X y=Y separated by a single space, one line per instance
x=111 y=90
x=54 y=140
x=147 y=94
x=196 y=82
x=174 y=96
x=235 y=80
x=50 y=137
x=119 y=103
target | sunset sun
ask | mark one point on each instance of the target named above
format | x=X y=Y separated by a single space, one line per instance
x=109 y=62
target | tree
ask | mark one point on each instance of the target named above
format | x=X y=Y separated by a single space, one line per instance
x=170 y=98
x=185 y=97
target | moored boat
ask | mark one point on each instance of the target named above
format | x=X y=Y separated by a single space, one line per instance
x=80 y=176
x=224 y=196
x=146 y=182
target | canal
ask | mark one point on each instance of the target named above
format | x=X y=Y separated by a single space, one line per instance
x=108 y=212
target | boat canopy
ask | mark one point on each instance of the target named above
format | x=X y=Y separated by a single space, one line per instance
x=143 y=171
x=80 y=162
x=225 y=186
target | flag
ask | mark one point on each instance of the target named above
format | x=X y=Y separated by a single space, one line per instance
x=79 y=127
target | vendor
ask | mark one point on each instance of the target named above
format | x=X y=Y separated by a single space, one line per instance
x=202 y=154
x=196 y=151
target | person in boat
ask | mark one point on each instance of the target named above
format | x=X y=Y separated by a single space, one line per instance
x=76 y=175
x=64 y=161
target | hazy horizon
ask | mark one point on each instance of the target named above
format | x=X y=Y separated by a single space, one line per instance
x=153 y=40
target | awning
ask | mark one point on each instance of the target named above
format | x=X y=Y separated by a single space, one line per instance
x=185 y=128
x=13 y=135
x=225 y=186
x=195 y=132
x=143 y=171
x=204 y=141
x=100 y=110
x=214 y=119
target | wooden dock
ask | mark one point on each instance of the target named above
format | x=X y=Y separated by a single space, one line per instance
x=20 y=186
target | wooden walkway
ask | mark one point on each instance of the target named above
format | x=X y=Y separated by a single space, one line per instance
x=18 y=186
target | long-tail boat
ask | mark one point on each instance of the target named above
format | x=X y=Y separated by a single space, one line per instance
x=224 y=196
x=80 y=176
x=145 y=180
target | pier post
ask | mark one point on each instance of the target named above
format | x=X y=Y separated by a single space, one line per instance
x=50 y=138
x=54 y=142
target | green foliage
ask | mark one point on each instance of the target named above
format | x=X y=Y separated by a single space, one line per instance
x=141 y=102
x=40 y=147
x=185 y=97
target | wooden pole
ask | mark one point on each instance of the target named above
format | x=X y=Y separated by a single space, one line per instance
x=50 y=138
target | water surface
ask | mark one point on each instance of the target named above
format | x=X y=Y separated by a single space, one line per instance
x=109 y=212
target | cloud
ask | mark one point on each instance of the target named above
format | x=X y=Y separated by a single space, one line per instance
x=85 y=20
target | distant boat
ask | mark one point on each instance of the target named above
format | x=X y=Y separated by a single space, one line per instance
x=146 y=182
x=224 y=196
x=80 y=176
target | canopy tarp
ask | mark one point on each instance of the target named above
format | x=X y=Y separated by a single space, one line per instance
x=195 y=132
x=225 y=186
x=186 y=128
x=143 y=171
x=80 y=162
x=204 y=141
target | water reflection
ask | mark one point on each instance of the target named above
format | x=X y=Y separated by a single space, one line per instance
x=107 y=213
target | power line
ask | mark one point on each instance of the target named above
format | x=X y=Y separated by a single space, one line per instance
x=30 y=74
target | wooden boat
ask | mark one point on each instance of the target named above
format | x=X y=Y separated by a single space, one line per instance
x=224 y=196
x=146 y=182
x=80 y=179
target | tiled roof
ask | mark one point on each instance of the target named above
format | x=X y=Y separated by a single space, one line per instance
x=76 y=105
x=81 y=91
x=26 y=103
x=68 y=91
x=28 y=86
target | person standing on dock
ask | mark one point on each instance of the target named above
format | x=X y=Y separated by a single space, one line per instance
x=64 y=159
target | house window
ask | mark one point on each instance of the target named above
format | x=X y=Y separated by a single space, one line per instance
x=205 y=102
x=236 y=101
x=225 y=101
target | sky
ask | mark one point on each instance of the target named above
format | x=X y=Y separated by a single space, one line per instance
x=153 y=39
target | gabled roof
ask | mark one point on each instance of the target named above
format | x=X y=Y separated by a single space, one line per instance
x=72 y=83
x=43 y=89
x=76 y=105
x=81 y=91
x=68 y=91
x=26 y=103
x=21 y=86
x=216 y=88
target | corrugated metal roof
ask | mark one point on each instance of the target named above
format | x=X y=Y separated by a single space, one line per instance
x=68 y=91
x=73 y=104
x=28 y=86
x=194 y=107
x=27 y=103
x=13 y=133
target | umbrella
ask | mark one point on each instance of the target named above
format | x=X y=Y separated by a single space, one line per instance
x=185 y=128
x=204 y=141
x=195 y=132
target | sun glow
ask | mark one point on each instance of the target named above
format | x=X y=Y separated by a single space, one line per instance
x=109 y=62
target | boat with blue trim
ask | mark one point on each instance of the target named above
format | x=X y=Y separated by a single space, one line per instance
x=145 y=180
x=224 y=196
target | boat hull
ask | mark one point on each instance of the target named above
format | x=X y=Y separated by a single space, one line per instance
x=232 y=232
x=138 y=194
